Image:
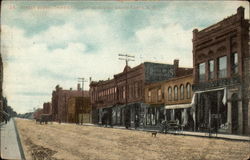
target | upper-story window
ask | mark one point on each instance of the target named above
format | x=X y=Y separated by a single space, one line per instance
x=159 y=96
x=124 y=92
x=235 y=63
x=169 y=93
x=175 y=93
x=201 y=71
x=136 y=90
x=222 y=67
x=211 y=69
x=188 y=90
x=182 y=91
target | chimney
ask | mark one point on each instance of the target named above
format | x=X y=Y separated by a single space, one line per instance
x=240 y=13
x=176 y=66
x=176 y=63
x=78 y=86
x=195 y=31
x=90 y=79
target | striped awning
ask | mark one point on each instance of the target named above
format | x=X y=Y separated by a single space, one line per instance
x=4 y=113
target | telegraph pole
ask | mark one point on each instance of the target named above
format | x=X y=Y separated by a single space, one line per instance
x=127 y=58
x=82 y=80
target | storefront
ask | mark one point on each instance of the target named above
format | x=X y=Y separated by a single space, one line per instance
x=182 y=114
x=211 y=111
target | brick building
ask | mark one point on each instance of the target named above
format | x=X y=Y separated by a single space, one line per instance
x=170 y=100
x=60 y=99
x=2 y=113
x=109 y=98
x=221 y=75
x=79 y=110
x=47 y=108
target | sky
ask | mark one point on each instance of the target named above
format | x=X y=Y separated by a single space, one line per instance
x=48 y=43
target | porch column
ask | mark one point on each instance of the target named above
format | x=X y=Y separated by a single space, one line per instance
x=248 y=124
x=165 y=115
x=173 y=115
x=240 y=117
x=100 y=116
x=229 y=116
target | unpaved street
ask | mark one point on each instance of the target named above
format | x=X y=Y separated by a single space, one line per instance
x=74 y=142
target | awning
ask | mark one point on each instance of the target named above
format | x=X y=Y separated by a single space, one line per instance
x=4 y=113
x=224 y=99
x=178 y=106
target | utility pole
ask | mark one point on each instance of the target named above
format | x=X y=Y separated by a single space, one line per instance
x=82 y=80
x=127 y=58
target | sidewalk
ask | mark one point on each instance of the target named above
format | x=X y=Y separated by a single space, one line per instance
x=9 y=142
x=219 y=135
x=188 y=133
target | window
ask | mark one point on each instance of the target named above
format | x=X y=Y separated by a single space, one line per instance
x=222 y=68
x=188 y=90
x=235 y=63
x=149 y=96
x=124 y=93
x=211 y=69
x=182 y=91
x=159 y=95
x=202 y=72
x=136 y=90
x=175 y=93
x=130 y=90
x=169 y=93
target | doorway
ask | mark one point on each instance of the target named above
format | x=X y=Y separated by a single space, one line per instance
x=235 y=123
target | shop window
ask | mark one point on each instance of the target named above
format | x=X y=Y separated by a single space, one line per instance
x=182 y=91
x=175 y=93
x=235 y=63
x=201 y=72
x=169 y=93
x=222 y=67
x=211 y=69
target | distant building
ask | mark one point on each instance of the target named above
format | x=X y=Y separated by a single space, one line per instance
x=221 y=75
x=79 y=110
x=47 y=108
x=109 y=98
x=60 y=99
x=37 y=113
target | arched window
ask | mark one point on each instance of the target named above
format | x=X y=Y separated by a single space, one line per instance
x=175 y=93
x=188 y=90
x=149 y=96
x=169 y=93
x=159 y=95
x=182 y=91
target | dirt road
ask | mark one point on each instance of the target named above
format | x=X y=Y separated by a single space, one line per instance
x=74 y=142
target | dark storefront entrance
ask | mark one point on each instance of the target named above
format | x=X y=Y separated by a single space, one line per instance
x=211 y=112
x=234 y=113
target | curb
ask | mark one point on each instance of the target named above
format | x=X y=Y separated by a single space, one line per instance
x=178 y=134
x=19 y=141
